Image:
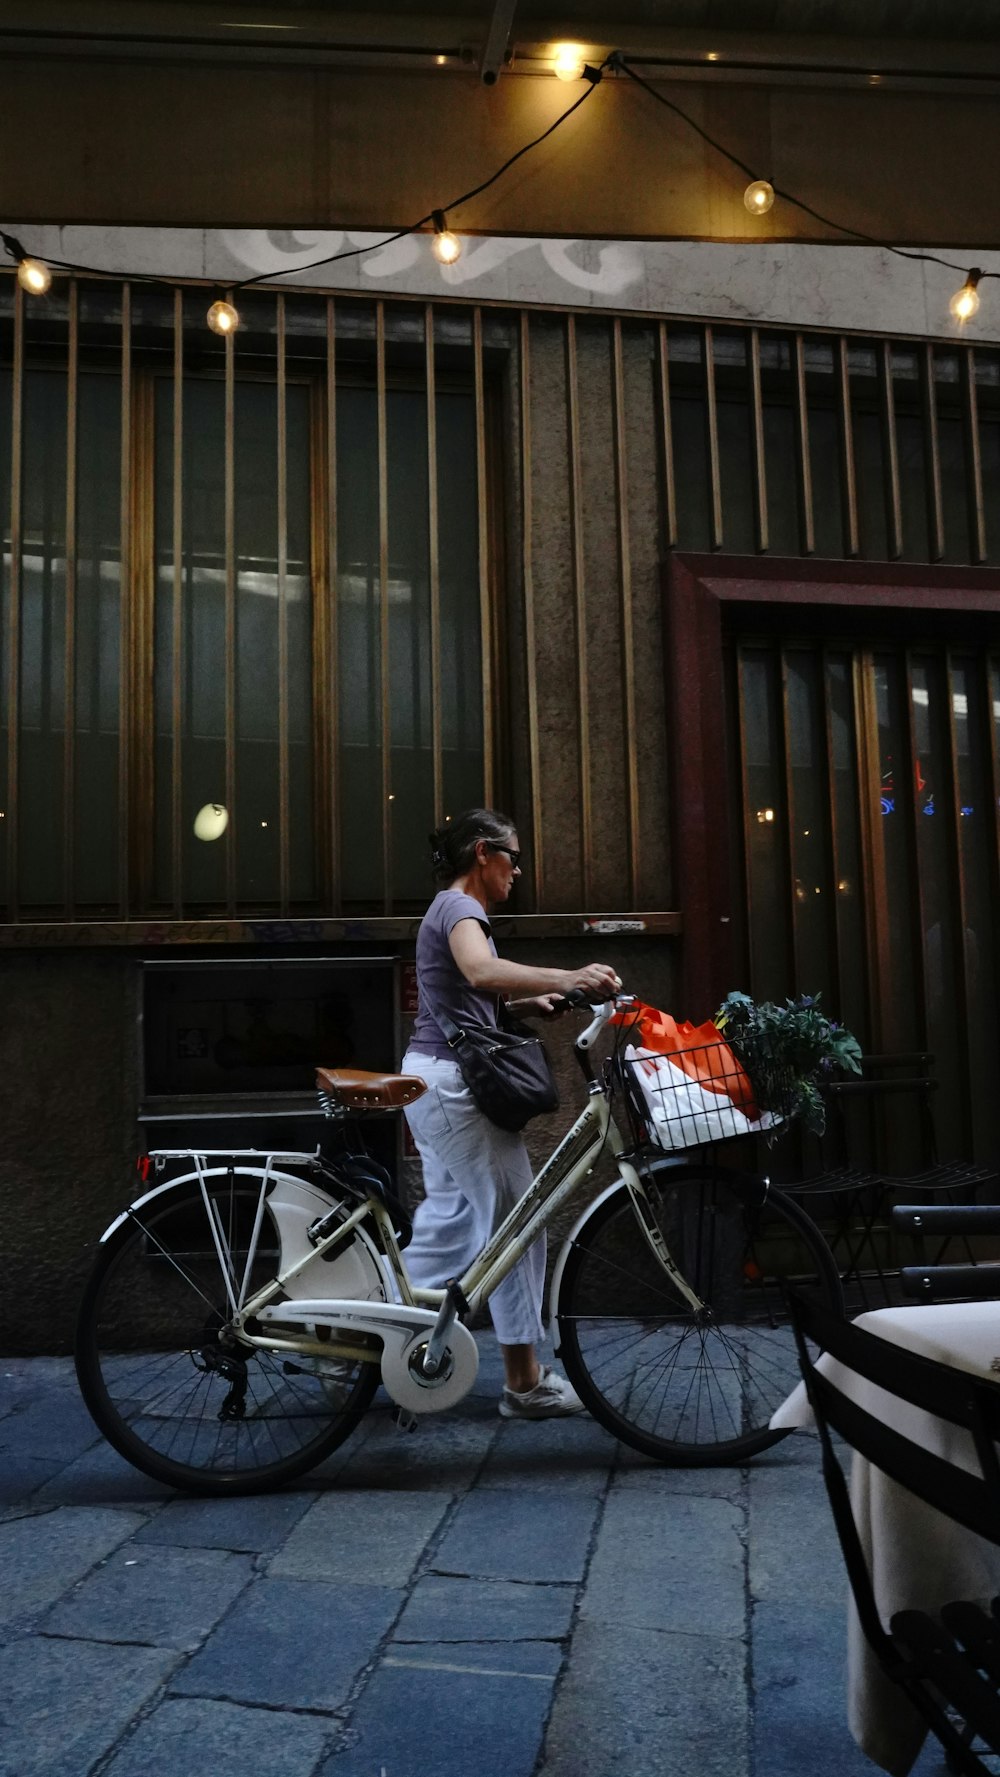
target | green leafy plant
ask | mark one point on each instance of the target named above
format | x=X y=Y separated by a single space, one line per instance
x=788 y=1051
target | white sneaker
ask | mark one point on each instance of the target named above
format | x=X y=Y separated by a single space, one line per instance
x=551 y=1398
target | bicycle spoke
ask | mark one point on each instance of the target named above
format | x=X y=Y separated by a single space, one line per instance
x=174 y=1390
x=671 y=1378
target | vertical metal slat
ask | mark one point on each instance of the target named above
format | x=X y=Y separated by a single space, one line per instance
x=177 y=617
x=229 y=470
x=126 y=628
x=757 y=432
x=666 y=433
x=383 y=608
x=14 y=611
x=579 y=608
x=807 y=521
x=748 y=900
x=872 y=845
x=988 y=668
x=69 y=668
x=434 y=566
x=973 y=456
x=790 y=819
x=932 y=455
x=629 y=717
x=331 y=628
x=483 y=557
x=890 y=453
x=283 y=795
x=831 y=822
x=712 y=437
x=528 y=584
x=958 y=869
x=918 y=938
x=848 y=475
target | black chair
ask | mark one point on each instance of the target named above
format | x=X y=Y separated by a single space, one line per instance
x=949 y=1668
x=852 y=1187
x=930 y=1280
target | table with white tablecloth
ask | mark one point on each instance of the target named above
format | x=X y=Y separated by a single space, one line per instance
x=918 y=1558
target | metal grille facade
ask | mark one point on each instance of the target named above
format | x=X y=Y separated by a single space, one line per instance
x=531 y=517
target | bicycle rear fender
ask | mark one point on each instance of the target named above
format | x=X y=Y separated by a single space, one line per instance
x=353 y=1270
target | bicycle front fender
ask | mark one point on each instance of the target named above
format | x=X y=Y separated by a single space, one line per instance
x=555 y=1284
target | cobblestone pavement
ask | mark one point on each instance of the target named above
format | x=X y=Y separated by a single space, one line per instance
x=479 y=1598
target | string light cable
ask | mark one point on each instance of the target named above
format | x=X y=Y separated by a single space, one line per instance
x=963 y=304
x=35 y=275
x=446 y=246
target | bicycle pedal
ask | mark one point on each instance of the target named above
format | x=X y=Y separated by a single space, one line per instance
x=404 y=1421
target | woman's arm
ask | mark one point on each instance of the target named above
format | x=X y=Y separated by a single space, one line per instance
x=494 y=974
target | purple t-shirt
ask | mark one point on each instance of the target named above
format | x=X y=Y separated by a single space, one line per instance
x=441 y=986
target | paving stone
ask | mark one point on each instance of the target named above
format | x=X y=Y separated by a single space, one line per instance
x=22 y=1476
x=792 y=1536
x=447 y=1711
x=24 y=1376
x=371 y=1537
x=638 y=1703
x=192 y=1737
x=257 y=1525
x=42 y=1556
x=54 y=1423
x=292 y=1643
x=799 y=1688
x=443 y=1453
x=668 y=1562
x=637 y=1473
x=575 y=1455
x=64 y=1703
x=535 y=1536
x=101 y=1477
x=450 y=1610
x=164 y=1597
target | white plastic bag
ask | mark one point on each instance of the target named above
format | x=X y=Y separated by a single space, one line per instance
x=681 y=1113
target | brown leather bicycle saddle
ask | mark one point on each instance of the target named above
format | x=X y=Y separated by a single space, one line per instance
x=357 y=1090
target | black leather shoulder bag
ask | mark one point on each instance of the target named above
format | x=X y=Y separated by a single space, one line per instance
x=505 y=1067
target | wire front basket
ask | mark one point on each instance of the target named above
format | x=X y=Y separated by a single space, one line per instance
x=704 y=1095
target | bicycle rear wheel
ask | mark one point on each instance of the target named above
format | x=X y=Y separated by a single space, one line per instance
x=165 y=1383
x=694 y=1388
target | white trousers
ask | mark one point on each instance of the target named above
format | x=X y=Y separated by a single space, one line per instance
x=474 y=1173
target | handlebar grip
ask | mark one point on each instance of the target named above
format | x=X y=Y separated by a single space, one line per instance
x=577 y=996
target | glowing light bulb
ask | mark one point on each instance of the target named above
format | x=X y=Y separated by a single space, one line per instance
x=568 y=61
x=34 y=277
x=211 y=821
x=759 y=197
x=223 y=318
x=965 y=302
x=445 y=246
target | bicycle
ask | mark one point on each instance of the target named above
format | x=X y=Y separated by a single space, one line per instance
x=240 y=1316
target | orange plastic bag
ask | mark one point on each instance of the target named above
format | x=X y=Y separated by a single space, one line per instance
x=699 y=1050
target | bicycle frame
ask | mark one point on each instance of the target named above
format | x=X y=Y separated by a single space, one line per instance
x=426 y=1314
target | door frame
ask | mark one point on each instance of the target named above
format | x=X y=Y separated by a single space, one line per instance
x=696 y=588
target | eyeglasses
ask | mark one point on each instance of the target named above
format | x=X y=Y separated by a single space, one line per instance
x=514 y=856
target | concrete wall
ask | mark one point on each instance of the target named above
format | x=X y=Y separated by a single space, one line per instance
x=68 y=1096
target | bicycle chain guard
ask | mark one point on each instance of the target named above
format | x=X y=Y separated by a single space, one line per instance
x=403 y=1333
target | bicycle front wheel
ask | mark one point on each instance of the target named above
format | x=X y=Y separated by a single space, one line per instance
x=168 y=1386
x=691 y=1386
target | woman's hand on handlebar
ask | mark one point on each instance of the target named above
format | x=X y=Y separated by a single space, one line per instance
x=598 y=981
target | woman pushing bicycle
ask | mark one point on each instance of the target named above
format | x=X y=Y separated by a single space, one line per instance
x=475 y=1172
